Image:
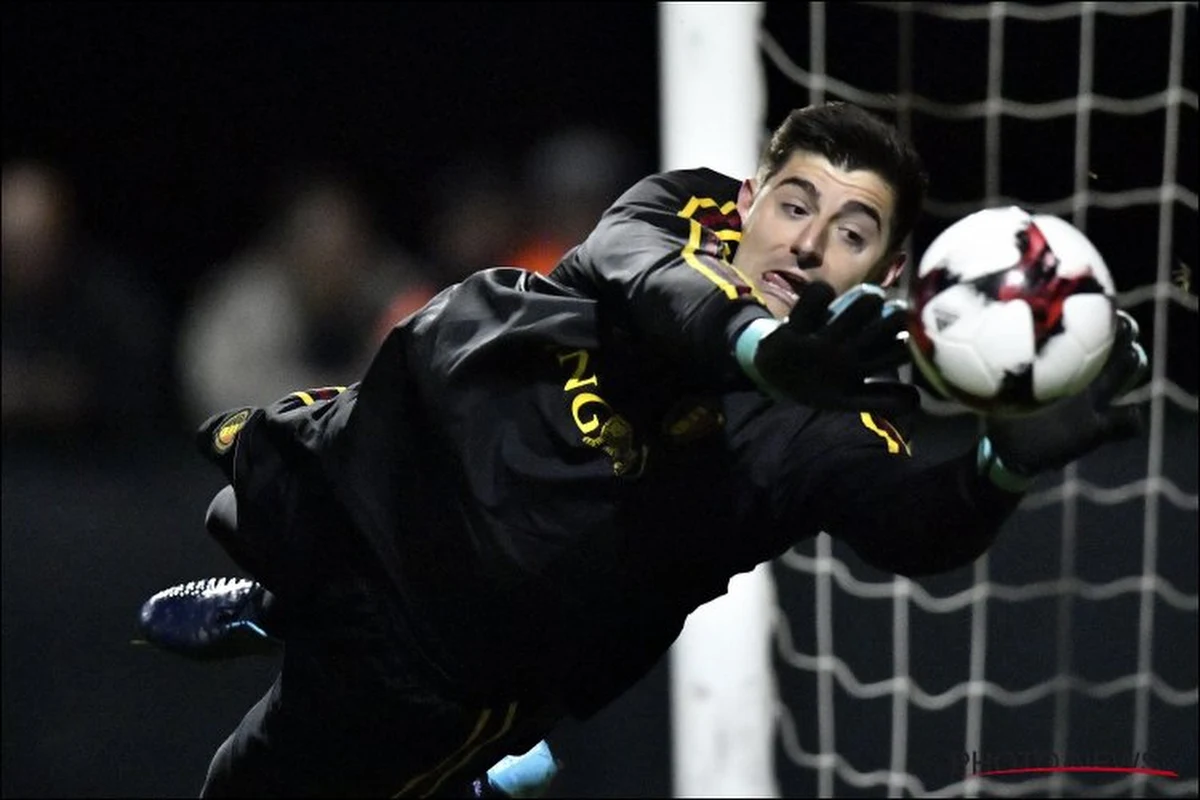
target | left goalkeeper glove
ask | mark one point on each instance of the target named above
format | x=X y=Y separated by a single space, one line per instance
x=1015 y=449
x=826 y=353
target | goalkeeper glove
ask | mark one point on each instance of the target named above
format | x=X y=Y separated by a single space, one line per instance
x=1015 y=449
x=826 y=351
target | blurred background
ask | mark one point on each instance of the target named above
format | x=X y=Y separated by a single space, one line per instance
x=211 y=204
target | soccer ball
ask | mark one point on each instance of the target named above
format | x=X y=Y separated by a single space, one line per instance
x=1010 y=311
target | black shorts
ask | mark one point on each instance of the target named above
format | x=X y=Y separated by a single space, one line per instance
x=280 y=503
x=356 y=710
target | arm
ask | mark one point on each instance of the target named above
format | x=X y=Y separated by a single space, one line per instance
x=900 y=511
x=659 y=261
x=915 y=518
x=937 y=519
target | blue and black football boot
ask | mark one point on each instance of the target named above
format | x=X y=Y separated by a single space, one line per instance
x=209 y=619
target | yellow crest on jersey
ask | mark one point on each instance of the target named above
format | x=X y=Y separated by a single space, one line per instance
x=227 y=431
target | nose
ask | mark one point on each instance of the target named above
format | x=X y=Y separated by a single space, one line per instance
x=809 y=245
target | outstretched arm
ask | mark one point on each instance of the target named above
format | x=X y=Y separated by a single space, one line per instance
x=905 y=515
x=859 y=479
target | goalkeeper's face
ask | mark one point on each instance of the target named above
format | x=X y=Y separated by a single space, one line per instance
x=813 y=221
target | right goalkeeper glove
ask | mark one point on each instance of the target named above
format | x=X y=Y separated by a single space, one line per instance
x=826 y=351
x=1015 y=449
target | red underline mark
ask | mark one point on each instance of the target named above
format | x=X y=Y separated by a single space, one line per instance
x=1162 y=773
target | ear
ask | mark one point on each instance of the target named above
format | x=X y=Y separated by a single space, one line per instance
x=745 y=197
x=893 y=270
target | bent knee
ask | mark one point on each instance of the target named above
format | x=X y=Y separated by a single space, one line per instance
x=221 y=518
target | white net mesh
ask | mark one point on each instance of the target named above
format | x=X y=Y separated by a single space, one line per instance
x=1074 y=640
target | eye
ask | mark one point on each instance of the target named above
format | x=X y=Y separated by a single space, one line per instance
x=854 y=238
x=795 y=210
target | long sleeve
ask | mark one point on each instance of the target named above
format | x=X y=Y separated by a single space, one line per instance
x=861 y=481
x=935 y=520
x=659 y=262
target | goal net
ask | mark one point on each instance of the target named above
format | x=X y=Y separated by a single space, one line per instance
x=1073 y=642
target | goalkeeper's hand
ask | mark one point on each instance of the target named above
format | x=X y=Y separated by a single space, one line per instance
x=1015 y=449
x=826 y=351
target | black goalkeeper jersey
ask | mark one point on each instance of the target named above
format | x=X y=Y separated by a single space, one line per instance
x=556 y=471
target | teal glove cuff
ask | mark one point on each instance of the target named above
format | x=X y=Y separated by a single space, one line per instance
x=528 y=775
x=746 y=347
x=989 y=464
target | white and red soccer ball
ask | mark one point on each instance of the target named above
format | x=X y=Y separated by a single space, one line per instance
x=1010 y=311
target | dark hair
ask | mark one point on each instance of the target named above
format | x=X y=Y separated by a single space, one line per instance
x=852 y=138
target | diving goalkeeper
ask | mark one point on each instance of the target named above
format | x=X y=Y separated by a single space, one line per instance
x=508 y=519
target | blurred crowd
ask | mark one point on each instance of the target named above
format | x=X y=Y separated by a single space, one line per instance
x=93 y=352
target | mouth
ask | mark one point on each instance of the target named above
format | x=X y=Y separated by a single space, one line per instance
x=784 y=286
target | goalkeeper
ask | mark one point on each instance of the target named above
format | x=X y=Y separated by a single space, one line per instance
x=508 y=519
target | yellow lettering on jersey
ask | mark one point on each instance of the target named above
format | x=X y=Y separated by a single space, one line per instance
x=887 y=432
x=600 y=426
x=577 y=380
x=577 y=404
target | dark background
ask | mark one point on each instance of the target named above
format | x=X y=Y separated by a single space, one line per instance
x=172 y=118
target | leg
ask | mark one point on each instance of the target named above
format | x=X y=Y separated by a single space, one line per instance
x=221 y=522
x=243 y=766
x=216 y=617
x=353 y=713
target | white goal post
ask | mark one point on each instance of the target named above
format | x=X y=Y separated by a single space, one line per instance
x=722 y=696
